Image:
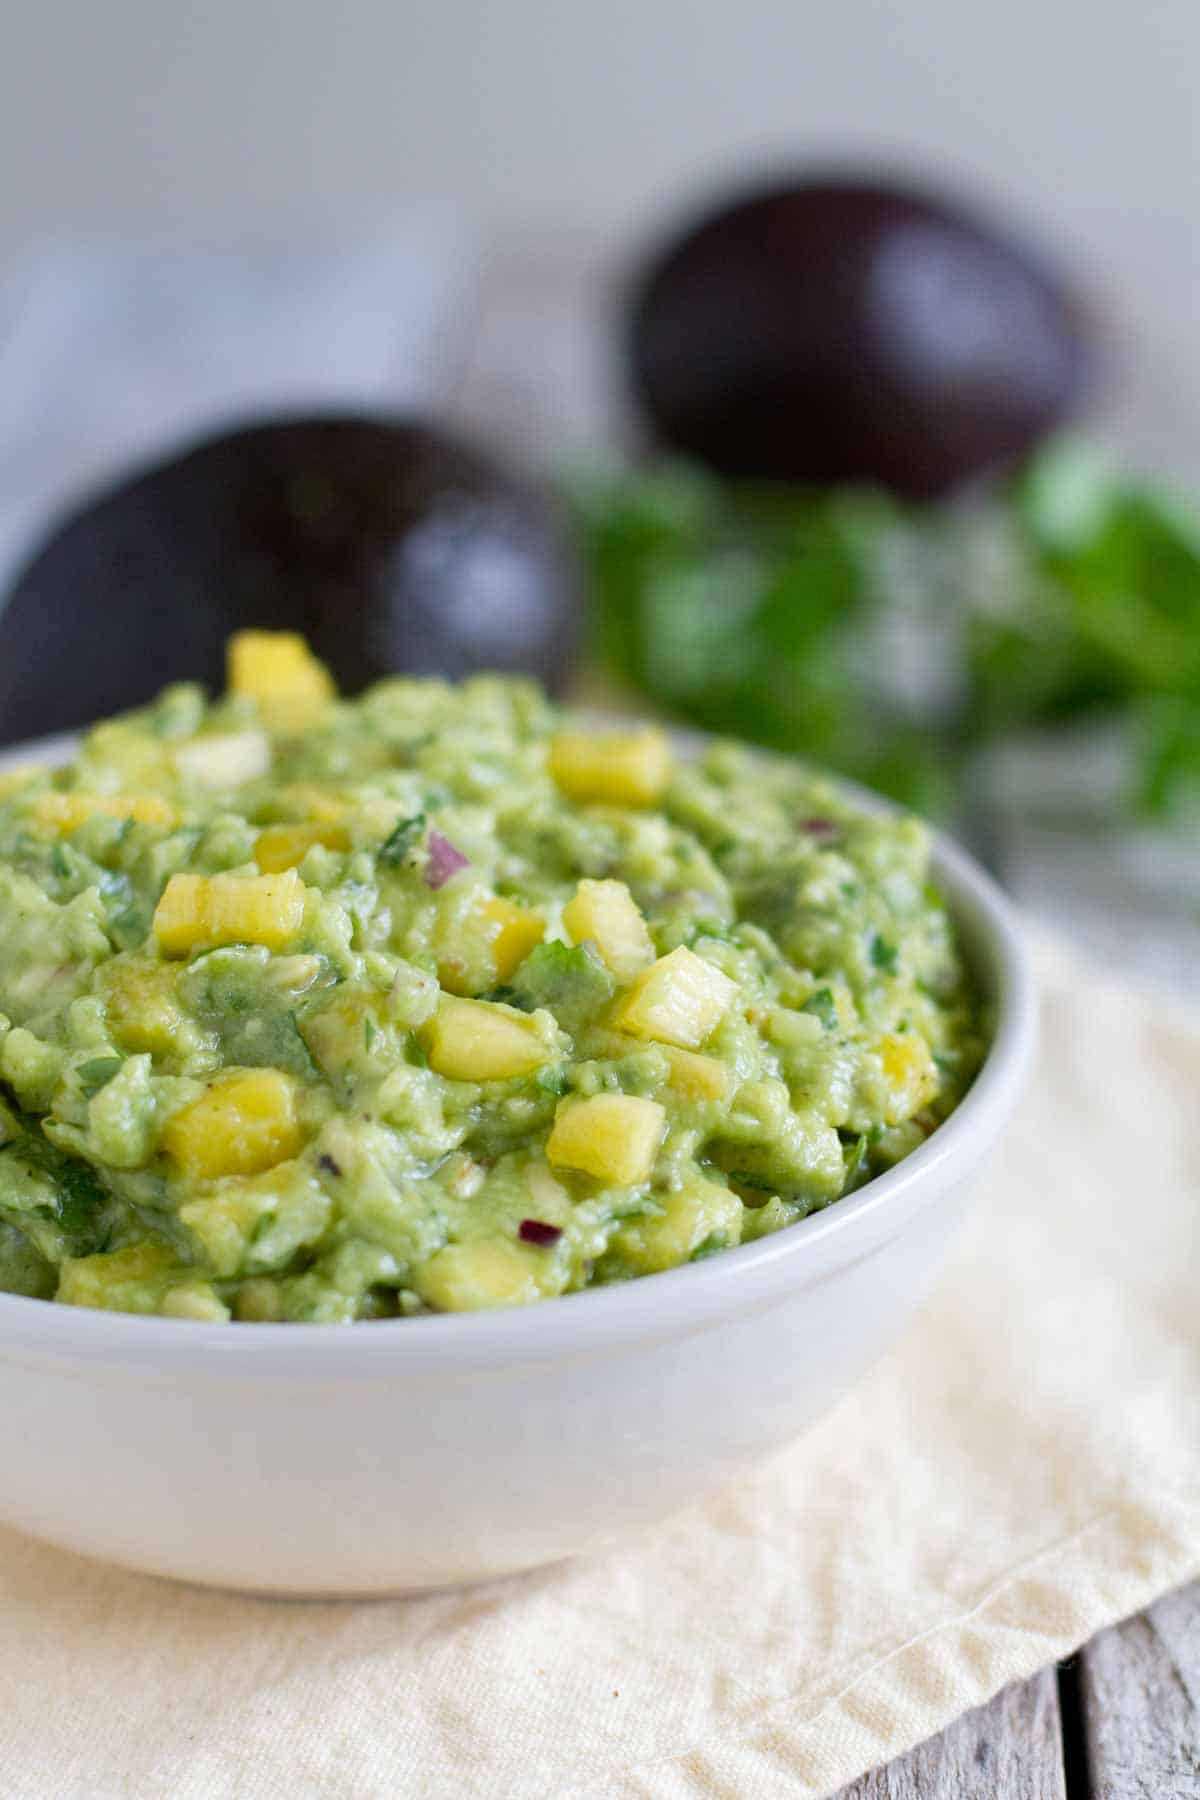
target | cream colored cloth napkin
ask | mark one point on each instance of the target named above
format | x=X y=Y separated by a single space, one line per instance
x=1023 y=1469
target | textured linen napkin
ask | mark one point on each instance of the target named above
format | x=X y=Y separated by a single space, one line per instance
x=1023 y=1469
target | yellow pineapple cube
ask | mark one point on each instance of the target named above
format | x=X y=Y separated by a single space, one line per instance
x=606 y=914
x=612 y=1136
x=143 y=1013
x=630 y=768
x=690 y=1074
x=280 y=672
x=258 y=1221
x=282 y=847
x=697 y=1077
x=910 y=1072
x=194 y=1300
x=518 y=931
x=347 y=1035
x=200 y=912
x=67 y=812
x=680 y=999
x=245 y=1121
x=479 y=1040
x=482 y=940
x=698 y=1211
x=129 y=1280
x=258 y=1301
x=224 y=759
x=487 y=1272
x=314 y=801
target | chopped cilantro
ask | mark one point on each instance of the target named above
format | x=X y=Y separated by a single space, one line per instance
x=748 y=1178
x=823 y=1005
x=400 y=841
x=97 y=1073
x=856 y=1155
x=81 y=1206
x=884 y=955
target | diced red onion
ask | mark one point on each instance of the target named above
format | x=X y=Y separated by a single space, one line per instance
x=444 y=860
x=536 y=1231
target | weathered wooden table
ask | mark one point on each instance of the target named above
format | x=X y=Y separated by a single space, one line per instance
x=1120 y=1721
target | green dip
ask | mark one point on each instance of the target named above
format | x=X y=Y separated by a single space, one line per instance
x=439 y=999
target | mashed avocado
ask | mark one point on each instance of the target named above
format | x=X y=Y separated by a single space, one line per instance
x=439 y=999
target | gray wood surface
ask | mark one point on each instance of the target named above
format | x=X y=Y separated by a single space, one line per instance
x=1010 y=1749
x=1141 y=1698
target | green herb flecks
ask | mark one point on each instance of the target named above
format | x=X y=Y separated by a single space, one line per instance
x=824 y=1007
x=403 y=837
x=97 y=1073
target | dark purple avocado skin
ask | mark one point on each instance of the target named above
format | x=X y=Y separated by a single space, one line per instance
x=832 y=330
x=391 y=545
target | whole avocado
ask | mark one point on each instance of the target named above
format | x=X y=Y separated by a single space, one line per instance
x=833 y=329
x=392 y=545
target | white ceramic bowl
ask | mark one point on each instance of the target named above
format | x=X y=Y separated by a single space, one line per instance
x=411 y=1454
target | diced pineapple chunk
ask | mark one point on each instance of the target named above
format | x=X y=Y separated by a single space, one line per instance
x=278 y=669
x=259 y=1222
x=141 y=1008
x=690 y=1074
x=487 y=1272
x=130 y=1280
x=194 y=1300
x=910 y=1072
x=680 y=999
x=121 y=750
x=67 y=812
x=200 y=912
x=612 y=1136
x=698 y=1212
x=258 y=1300
x=606 y=914
x=629 y=768
x=224 y=759
x=282 y=847
x=316 y=801
x=518 y=931
x=244 y=1122
x=697 y=1077
x=481 y=939
x=479 y=1040
x=349 y=1037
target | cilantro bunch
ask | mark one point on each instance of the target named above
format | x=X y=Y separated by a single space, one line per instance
x=893 y=642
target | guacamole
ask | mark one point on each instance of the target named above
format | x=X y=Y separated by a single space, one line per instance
x=442 y=998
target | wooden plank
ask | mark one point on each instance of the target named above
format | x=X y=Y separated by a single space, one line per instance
x=1141 y=1699
x=1010 y=1749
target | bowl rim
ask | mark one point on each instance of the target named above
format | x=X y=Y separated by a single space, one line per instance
x=669 y=1303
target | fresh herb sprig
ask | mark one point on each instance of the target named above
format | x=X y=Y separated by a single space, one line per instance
x=893 y=642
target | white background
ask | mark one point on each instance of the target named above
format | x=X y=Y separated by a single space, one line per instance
x=577 y=115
